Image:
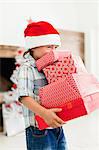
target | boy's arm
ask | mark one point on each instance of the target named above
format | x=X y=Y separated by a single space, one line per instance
x=28 y=98
x=49 y=115
x=1 y=101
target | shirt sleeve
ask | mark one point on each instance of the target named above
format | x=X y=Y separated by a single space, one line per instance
x=26 y=82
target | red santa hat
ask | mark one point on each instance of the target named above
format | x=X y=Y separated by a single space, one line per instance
x=41 y=33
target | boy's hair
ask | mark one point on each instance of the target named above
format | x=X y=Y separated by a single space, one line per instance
x=28 y=51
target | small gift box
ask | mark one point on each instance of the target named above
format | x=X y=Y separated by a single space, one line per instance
x=46 y=60
x=60 y=69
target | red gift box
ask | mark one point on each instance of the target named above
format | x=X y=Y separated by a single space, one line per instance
x=59 y=92
x=70 y=111
x=59 y=69
x=46 y=60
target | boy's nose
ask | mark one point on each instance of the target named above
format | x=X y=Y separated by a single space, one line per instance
x=53 y=47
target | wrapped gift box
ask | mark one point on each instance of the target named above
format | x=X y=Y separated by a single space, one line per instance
x=59 y=92
x=86 y=83
x=46 y=60
x=71 y=110
x=88 y=86
x=59 y=69
x=91 y=102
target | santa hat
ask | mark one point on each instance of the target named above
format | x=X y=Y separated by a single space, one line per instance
x=41 y=33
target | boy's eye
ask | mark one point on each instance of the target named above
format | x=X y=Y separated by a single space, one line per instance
x=49 y=46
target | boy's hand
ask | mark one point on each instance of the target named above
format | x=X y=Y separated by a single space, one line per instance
x=52 y=119
x=1 y=102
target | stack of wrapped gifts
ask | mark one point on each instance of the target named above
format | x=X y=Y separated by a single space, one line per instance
x=70 y=86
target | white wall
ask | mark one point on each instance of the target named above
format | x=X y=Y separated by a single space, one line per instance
x=83 y=133
x=63 y=15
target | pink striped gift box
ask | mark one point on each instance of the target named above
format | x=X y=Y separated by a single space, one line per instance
x=91 y=102
x=46 y=60
x=86 y=83
x=88 y=86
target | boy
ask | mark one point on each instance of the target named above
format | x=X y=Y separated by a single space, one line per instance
x=41 y=38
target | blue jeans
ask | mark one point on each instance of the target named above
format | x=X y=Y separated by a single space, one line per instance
x=48 y=139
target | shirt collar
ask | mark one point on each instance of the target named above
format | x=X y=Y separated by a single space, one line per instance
x=29 y=58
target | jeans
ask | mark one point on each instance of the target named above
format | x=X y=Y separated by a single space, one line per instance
x=48 y=139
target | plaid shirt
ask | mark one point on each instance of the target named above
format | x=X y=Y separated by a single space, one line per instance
x=29 y=82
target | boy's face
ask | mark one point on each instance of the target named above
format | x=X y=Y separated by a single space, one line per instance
x=38 y=52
